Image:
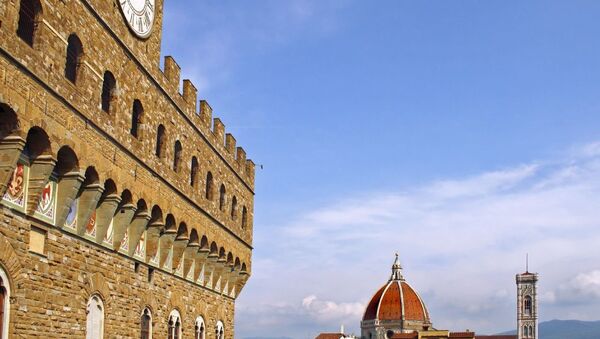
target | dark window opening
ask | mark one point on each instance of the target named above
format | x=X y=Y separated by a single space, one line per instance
x=209 y=185
x=234 y=208
x=244 y=217
x=177 y=156
x=160 y=140
x=194 y=171
x=146 y=320
x=74 y=53
x=222 y=197
x=136 y=118
x=108 y=91
x=29 y=13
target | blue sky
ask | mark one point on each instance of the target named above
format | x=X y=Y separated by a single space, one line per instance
x=462 y=134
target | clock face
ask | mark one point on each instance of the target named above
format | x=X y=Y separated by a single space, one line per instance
x=139 y=15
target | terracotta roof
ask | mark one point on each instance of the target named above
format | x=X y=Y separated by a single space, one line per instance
x=462 y=335
x=330 y=336
x=495 y=337
x=395 y=300
x=413 y=335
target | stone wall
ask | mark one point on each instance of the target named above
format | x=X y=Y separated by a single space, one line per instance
x=204 y=251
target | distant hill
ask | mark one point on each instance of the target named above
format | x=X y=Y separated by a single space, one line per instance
x=571 y=329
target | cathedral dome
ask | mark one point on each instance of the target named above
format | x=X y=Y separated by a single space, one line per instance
x=397 y=301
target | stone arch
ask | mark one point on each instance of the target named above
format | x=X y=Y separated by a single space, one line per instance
x=95 y=283
x=91 y=176
x=67 y=161
x=170 y=223
x=244 y=268
x=214 y=249
x=37 y=143
x=222 y=253
x=9 y=260
x=9 y=121
x=229 y=259
x=204 y=243
x=237 y=264
x=156 y=215
x=194 y=239
x=182 y=231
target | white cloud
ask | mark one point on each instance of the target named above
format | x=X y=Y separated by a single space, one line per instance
x=461 y=242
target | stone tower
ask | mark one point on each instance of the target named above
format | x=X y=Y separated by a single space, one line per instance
x=527 y=315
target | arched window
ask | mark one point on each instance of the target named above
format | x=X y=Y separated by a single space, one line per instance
x=525 y=331
x=222 y=197
x=244 y=217
x=95 y=318
x=174 y=325
x=234 y=207
x=177 y=156
x=74 y=54
x=160 y=140
x=200 y=329
x=531 y=331
x=108 y=91
x=29 y=13
x=194 y=171
x=136 y=117
x=527 y=305
x=209 y=186
x=146 y=324
x=4 y=304
x=220 y=330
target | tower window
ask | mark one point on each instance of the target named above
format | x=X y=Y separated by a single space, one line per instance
x=174 y=329
x=527 y=305
x=177 y=156
x=29 y=12
x=244 y=217
x=108 y=91
x=74 y=53
x=95 y=318
x=200 y=329
x=160 y=140
x=146 y=323
x=136 y=118
x=209 y=186
x=234 y=208
x=222 y=197
x=194 y=171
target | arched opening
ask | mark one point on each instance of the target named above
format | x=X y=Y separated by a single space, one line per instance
x=9 y=122
x=74 y=54
x=108 y=91
x=156 y=215
x=194 y=239
x=209 y=186
x=38 y=143
x=229 y=259
x=220 y=330
x=146 y=324
x=527 y=305
x=174 y=329
x=95 y=318
x=170 y=224
x=182 y=232
x=222 y=197
x=525 y=331
x=234 y=207
x=200 y=329
x=389 y=334
x=204 y=242
x=29 y=17
x=66 y=161
x=136 y=118
x=91 y=177
x=214 y=249
x=160 y=141
x=177 y=156
x=244 y=217
x=194 y=172
x=4 y=304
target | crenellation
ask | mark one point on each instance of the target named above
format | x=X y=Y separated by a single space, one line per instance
x=230 y=143
x=190 y=95
x=172 y=72
x=219 y=132
x=206 y=114
x=240 y=158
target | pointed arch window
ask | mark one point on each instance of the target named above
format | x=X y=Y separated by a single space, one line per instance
x=4 y=304
x=194 y=172
x=200 y=329
x=177 y=156
x=220 y=330
x=108 y=91
x=160 y=140
x=527 y=305
x=209 y=186
x=244 y=217
x=29 y=17
x=222 y=197
x=174 y=329
x=146 y=324
x=74 y=54
x=95 y=318
x=136 y=118
x=234 y=207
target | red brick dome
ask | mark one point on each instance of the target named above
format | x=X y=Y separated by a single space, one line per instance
x=397 y=300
